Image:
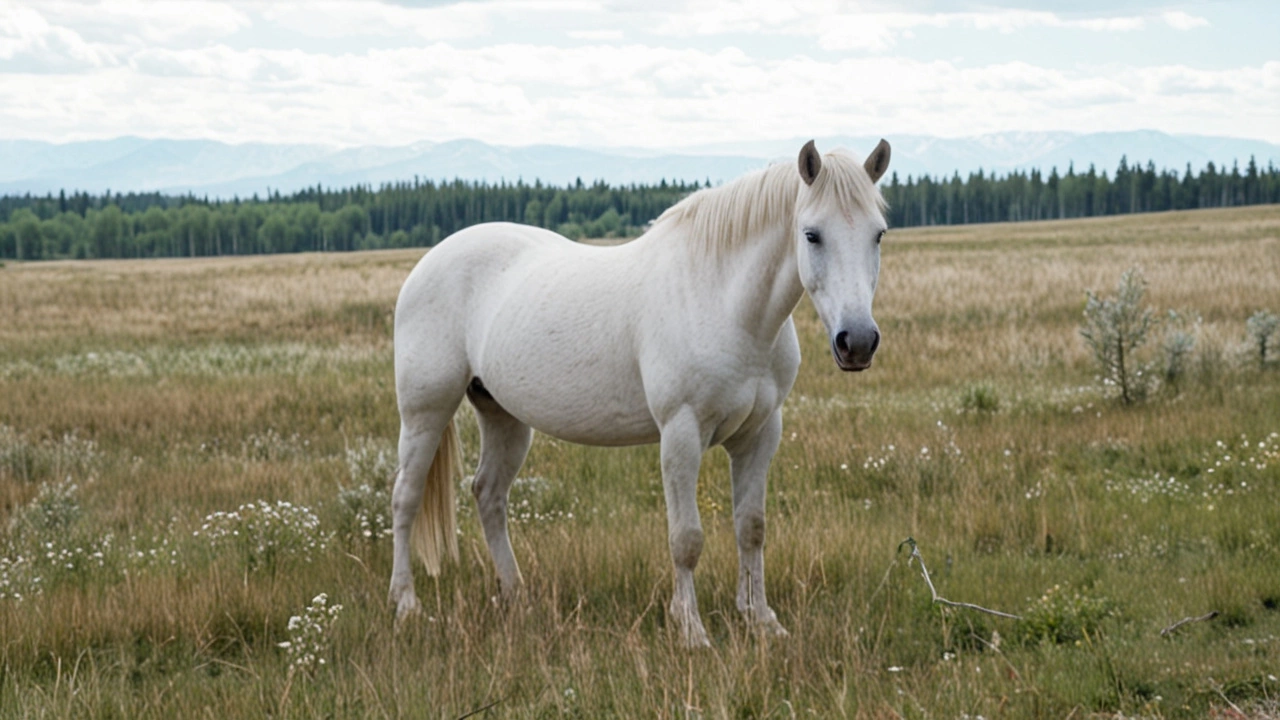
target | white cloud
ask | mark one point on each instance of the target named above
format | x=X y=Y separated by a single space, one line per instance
x=1179 y=20
x=389 y=74
x=339 y=18
x=29 y=43
x=853 y=28
x=599 y=35
x=162 y=22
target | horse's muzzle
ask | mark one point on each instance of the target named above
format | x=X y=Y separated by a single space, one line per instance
x=853 y=349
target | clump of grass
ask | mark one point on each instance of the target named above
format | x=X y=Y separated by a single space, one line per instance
x=272 y=446
x=27 y=460
x=980 y=397
x=1114 y=328
x=1260 y=327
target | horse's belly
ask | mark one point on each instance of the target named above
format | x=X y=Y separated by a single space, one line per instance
x=572 y=375
x=588 y=408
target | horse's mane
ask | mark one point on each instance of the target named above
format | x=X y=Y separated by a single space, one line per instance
x=720 y=217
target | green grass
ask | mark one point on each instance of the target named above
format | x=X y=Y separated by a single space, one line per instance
x=139 y=400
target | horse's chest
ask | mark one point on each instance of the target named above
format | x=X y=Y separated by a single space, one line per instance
x=745 y=409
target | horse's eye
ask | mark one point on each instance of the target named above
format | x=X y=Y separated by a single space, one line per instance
x=812 y=236
x=880 y=236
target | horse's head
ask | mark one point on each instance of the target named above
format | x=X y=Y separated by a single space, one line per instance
x=839 y=224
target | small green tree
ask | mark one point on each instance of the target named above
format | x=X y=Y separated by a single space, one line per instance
x=1114 y=328
x=1261 y=326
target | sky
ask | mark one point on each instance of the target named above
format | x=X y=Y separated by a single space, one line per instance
x=658 y=74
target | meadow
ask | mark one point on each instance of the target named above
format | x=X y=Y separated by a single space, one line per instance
x=196 y=457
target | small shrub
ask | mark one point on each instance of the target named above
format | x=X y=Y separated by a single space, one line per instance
x=364 y=513
x=1176 y=346
x=364 y=506
x=1260 y=327
x=371 y=462
x=981 y=397
x=267 y=534
x=1061 y=615
x=53 y=510
x=1114 y=329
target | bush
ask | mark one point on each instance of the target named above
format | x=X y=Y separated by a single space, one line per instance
x=1114 y=328
x=1177 y=345
x=1260 y=327
x=364 y=513
x=53 y=511
x=1062 y=615
x=364 y=506
x=267 y=534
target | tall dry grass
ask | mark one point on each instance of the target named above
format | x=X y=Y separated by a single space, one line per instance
x=168 y=392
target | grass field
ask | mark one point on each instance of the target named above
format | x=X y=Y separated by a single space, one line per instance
x=192 y=451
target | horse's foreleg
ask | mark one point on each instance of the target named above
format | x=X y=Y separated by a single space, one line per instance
x=682 y=449
x=504 y=443
x=749 y=463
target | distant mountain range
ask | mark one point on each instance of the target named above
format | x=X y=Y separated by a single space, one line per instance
x=216 y=169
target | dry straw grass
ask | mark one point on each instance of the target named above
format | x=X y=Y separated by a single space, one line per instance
x=201 y=385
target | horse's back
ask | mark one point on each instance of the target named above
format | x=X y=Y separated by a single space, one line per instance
x=470 y=257
x=446 y=295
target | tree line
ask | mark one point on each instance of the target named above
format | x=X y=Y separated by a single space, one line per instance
x=1022 y=195
x=420 y=213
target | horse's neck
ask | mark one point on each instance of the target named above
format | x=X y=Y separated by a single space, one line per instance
x=762 y=283
x=752 y=278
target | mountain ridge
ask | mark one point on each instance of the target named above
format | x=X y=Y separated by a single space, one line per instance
x=217 y=169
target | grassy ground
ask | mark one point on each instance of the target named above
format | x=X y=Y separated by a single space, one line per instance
x=192 y=451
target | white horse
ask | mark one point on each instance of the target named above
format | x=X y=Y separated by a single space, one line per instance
x=682 y=337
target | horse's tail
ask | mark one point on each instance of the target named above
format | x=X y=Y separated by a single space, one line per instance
x=434 y=529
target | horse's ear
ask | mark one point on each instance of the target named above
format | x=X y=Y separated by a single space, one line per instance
x=810 y=162
x=878 y=161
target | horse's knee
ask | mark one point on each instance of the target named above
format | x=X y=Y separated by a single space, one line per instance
x=750 y=530
x=686 y=547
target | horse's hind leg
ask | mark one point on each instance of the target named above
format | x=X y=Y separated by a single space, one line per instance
x=421 y=433
x=749 y=466
x=504 y=443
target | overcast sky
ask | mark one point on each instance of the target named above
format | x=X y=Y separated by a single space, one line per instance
x=640 y=73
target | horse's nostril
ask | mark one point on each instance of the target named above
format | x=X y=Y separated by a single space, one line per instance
x=875 y=340
x=842 y=341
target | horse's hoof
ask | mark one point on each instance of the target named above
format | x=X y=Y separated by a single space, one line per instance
x=772 y=628
x=407 y=609
x=694 y=638
x=768 y=626
x=510 y=596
